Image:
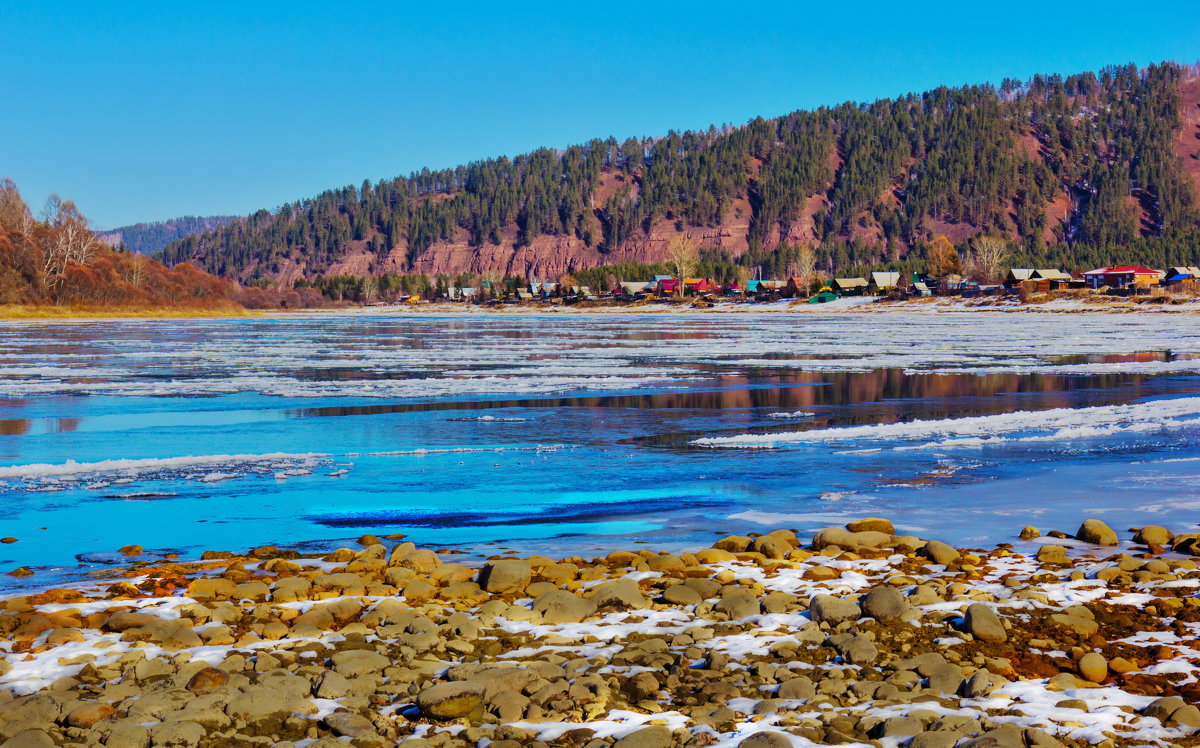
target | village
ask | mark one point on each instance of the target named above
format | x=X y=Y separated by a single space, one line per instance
x=1115 y=281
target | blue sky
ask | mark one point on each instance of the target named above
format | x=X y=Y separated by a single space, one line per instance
x=141 y=111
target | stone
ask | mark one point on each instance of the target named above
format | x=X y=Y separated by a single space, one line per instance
x=355 y=663
x=90 y=713
x=831 y=609
x=854 y=541
x=1029 y=532
x=982 y=623
x=733 y=544
x=939 y=552
x=738 y=605
x=796 y=688
x=619 y=594
x=1053 y=554
x=871 y=524
x=771 y=546
x=1154 y=535
x=1082 y=626
x=883 y=602
x=560 y=606
x=266 y=706
x=1187 y=716
x=350 y=725
x=332 y=685
x=1093 y=667
x=176 y=734
x=1096 y=532
x=655 y=736
x=898 y=727
x=1162 y=708
x=29 y=739
x=935 y=739
x=128 y=736
x=860 y=651
x=944 y=678
x=505 y=575
x=681 y=594
x=766 y=739
x=455 y=700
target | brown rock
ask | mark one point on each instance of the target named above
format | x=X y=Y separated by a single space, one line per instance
x=874 y=524
x=207 y=680
x=88 y=714
x=1095 y=531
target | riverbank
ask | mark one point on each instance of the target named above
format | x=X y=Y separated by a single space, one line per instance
x=855 y=635
x=847 y=305
x=32 y=312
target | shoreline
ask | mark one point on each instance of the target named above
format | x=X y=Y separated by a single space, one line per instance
x=33 y=313
x=845 y=306
x=853 y=635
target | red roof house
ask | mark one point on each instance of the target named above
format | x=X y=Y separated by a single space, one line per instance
x=1121 y=276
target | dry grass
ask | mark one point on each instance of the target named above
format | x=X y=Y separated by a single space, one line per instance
x=35 y=311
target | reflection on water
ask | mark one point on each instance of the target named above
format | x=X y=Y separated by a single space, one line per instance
x=554 y=434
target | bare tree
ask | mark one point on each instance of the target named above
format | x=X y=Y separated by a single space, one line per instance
x=69 y=240
x=988 y=255
x=135 y=274
x=803 y=267
x=683 y=258
x=14 y=213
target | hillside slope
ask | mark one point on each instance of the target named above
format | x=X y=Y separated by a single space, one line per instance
x=148 y=238
x=1104 y=161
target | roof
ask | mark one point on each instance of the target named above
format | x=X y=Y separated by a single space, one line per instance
x=850 y=282
x=1181 y=276
x=1051 y=274
x=885 y=279
x=1123 y=270
x=1184 y=270
x=1021 y=274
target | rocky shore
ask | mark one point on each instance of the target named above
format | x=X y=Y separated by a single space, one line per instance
x=857 y=635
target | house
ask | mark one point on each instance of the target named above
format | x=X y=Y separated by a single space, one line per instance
x=667 y=285
x=1183 y=278
x=850 y=286
x=1122 y=276
x=883 y=282
x=524 y=296
x=1037 y=279
x=633 y=288
x=539 y=288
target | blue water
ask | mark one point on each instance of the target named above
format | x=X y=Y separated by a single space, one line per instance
x=577 y=434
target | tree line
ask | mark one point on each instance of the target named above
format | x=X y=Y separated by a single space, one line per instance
x=53 y=257
x=989 y=158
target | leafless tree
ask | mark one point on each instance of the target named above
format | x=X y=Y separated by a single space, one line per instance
x=988 y=255
x=683 y=258
x=803 y=267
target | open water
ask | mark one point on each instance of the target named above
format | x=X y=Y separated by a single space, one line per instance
x=575 y=434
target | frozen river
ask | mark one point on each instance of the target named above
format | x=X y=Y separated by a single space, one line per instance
x=575 y=433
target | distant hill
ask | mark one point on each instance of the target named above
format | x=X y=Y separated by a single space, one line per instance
x=148 y=238
x=1078 y=170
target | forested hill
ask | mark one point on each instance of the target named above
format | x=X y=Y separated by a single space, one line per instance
x=1078 y=170
x=148 y=238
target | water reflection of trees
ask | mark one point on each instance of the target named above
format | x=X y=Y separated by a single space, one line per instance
x=891 y=392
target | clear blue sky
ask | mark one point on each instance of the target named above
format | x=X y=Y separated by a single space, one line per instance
x=146 y=111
